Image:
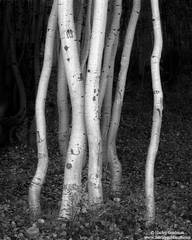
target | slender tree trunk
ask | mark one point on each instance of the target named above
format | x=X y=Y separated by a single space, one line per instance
x=107 y=103
x=111 y=42
x=157 y=113
x=110 y=39
x=63 y=109
x=92 y=102
x=38 y=179
x=76 y=150
x=115 y=165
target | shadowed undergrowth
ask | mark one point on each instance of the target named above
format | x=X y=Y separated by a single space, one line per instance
x=114 y=220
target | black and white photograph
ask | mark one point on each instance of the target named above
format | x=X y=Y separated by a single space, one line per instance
x=95 y=119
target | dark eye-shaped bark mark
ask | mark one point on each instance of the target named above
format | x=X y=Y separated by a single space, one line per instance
x=156 y=92
x=69 y=33
x=80 y=78
x=66 y=47
x=159 y=111
x=75 y=153
x=39 y=140
x=68 y=165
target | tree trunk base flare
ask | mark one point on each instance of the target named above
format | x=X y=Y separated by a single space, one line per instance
x=70 y=200
x=95 y=191
x=116 y=172
x=150 y=213
x=115 y=165
x=34 y=201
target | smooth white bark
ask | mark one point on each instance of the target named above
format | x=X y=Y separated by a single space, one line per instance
x=38 y=179
x=110 y=39
x=76 y=150
x=115 y=165
x=157 y=113
x=92 y=102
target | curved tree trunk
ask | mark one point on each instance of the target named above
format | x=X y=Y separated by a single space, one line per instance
x=110 y=39
x=92 y=102
x=115 y=165
x=38 y=179
x=107 y=102
x=76 y=150
x=157 y=113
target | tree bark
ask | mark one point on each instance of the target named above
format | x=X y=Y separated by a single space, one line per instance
x=38 y=179
x=110 y=39
x=107 y=102
x=157 y=113
x=63 y=109
x=92 y=102
x=115 y=165
x=77 y=144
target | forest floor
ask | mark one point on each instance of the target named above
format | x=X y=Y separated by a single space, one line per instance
x=114 y=220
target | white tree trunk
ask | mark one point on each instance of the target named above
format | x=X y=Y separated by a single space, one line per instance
x=38 y=179
x=76 y=149
x=92 y=102
x=63 y=109
x=157 y=113
x=107 y=102
x=110 y=39
x=115 y=165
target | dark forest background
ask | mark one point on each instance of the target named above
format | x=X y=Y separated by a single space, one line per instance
x=22 y=36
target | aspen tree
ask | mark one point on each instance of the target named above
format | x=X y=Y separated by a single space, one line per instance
x=107 y=102
x=63 y=109
x=76 y=149
x=114 y=163
x=38 y=179
x=111 y=42
x=157 y=113
x=110 y=39
x=92 y=102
